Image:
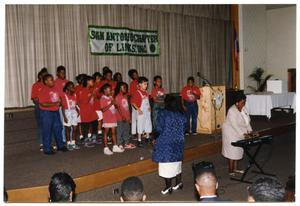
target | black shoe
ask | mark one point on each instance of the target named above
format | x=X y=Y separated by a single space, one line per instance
x=166 y=191
x=178 y=186
x=140 y=144
x=63 y=149
x=148 y=140
x=49 y=153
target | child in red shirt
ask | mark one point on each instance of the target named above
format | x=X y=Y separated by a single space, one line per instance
x=141 y=105
x=49 y=102
x=123 y=116
x=78 y=87
x=36 y=89
x=59 y=85
x=98 y=83
x=70 y=113
x=133 y=87
x=88 y=116
x=158 y=97
x=189 y=96
x=107 y=104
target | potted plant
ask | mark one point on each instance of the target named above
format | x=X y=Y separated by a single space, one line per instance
x=261 y=82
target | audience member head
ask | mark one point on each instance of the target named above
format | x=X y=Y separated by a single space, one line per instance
x=190 y=81
x=122 y=88
x=143 y=83
x=290 y=189
x=106 y=89
x=206 y=183
x=48 y=80
x=118 y=77
x=97 y=77
x=132 y=190
x=172 y=104
x=240 y=101
x=266 y=189
x=62 y=188
x=61 y=72
x=157 y=81
x=133 y=74
x=88 y=81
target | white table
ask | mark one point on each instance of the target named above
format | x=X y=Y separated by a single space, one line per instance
x=261 y=104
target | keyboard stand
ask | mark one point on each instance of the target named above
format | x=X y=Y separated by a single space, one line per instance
x=251 y=161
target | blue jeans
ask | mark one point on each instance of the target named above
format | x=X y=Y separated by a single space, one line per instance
x=50 y=122
x=192 y=111
x=37 y=112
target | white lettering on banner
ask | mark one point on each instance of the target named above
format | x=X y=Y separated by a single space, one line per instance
x=105 y=40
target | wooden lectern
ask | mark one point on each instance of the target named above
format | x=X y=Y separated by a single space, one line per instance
x=212 y=109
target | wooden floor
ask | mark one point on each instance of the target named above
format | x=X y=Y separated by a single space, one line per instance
x=111 y=176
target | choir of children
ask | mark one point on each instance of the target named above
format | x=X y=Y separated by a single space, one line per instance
x=99 y=103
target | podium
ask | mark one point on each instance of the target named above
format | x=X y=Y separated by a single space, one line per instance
x=212 y=109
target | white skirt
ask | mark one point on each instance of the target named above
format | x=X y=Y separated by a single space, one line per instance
x=169 y=169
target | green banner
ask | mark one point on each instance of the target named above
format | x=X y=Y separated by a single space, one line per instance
x=105 y=40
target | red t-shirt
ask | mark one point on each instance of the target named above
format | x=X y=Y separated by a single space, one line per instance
x=109 y=116
x=133 y=87
x=112 y=83
x=123 y=107
x=187 y=93
x=138 y=96
x=77 y=88
x=87 y=105
x=59 y=84
x=49 y=95
x=69 y=101
x=157 y=92
x=36 y=88
x=97 y=89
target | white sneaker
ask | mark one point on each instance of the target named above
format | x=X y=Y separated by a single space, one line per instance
x=117 y=149
x=107 y=151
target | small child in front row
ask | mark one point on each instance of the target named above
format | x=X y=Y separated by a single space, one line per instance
x=123 y=116
x=70 y=113
x=141 y=105
x=107 y=105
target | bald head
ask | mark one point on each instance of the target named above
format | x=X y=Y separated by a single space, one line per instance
x=206 y=183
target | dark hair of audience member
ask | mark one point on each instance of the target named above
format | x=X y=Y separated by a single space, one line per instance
x=132 y=189
x=239 y=97
x=62 y=188
x=267 y=189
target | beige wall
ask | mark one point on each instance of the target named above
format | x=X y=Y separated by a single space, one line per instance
x=253 y=41
x=281 y=42
x=267 y=40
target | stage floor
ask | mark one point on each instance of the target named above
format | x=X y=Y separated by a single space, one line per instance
x=26 y=166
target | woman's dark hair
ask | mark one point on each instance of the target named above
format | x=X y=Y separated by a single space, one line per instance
x=115 y=77
x=131 y=72
x=142 y=79
x=173 y=104
x=239 y=97
x=118 y=87
x=60 y=187
x=191 y=79
x=97 y=74
x=86 y=79
x=104 y=87
x=80 y=77
x=67 y=85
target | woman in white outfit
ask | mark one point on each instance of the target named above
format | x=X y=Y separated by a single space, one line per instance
x=236 y=127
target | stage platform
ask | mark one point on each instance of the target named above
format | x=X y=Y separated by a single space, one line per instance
x=27 y=171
